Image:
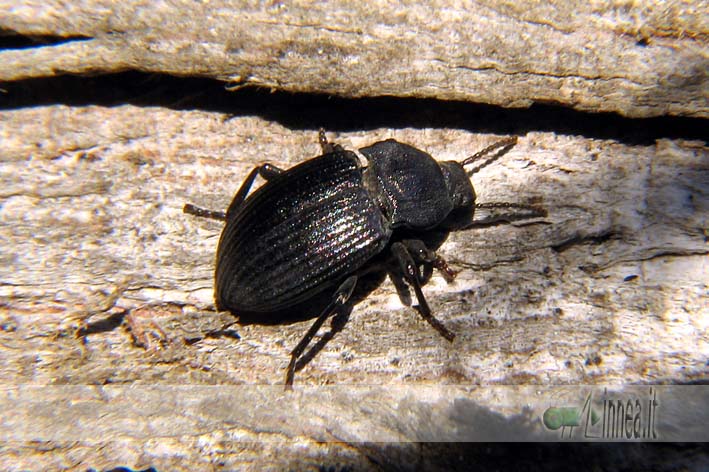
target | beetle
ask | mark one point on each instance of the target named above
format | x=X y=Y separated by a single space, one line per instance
x=324 y=223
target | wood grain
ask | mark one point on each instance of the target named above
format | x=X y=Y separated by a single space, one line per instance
x=111 y=351
x=106 y=281
x=636 y=60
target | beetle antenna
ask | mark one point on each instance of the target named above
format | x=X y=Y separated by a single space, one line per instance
x=503 y=145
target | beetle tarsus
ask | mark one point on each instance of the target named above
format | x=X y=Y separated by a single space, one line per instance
x=326 y=146
x=411 y=274
x=203 y=212
x=340 y=297
x=448 y=272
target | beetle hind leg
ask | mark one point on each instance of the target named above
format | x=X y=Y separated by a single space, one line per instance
x=411 y=274
x=267 y=171
x=339 y=298
x=203 y=212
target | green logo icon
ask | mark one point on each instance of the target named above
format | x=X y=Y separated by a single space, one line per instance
x=555 y=417
x=568 y=417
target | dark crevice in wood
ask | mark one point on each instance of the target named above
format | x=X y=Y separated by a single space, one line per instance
x=579 y=239
x=314 y=111
x=12 y=40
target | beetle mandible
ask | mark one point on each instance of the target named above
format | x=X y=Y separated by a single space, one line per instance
x=322 y=223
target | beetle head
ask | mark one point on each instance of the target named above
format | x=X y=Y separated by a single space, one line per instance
x=459 y=186
x=461 y=194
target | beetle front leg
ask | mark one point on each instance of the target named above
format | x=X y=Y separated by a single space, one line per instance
x=424 y=255
x=267 y=171
x=339 y=298
x=410 y=272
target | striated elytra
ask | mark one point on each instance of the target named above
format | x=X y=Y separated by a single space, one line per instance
x=323 y=223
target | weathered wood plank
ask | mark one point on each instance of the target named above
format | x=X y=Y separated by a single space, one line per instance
x=91 y=205
x=104 y=281
x=636 y=60
x=610 y=288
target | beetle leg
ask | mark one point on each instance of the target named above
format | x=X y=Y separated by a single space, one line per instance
x=410 y=272
x=203 y=212
x=422 y=254
x=326 y=146
x=267 y=171
x=426 y=273
x=339 y=298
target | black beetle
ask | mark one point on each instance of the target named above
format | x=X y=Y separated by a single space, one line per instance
x=322 y=223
